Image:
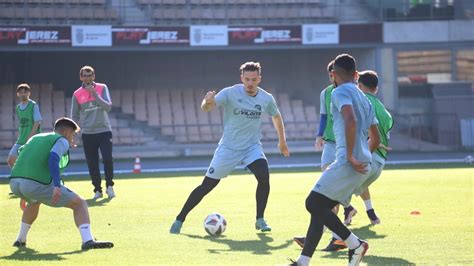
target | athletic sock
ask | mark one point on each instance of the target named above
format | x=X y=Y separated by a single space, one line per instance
x=303 y=260
x=352 y=241
x=24 y=228
x=368 y=204
x=86 y=234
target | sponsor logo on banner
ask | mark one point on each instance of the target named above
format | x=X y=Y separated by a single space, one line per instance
x=35 y=36
x=208 y=35
x=91 y=35
x=320 y=33
x=148 y=36
x=265 y=35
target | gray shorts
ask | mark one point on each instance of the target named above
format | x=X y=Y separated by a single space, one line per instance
x=329 y=153
x=225 y=160
x=34 y=192
x=375 y=171
x=14 y=150
x=340 y=181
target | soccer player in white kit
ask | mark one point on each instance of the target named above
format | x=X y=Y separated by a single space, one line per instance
x=243 y=105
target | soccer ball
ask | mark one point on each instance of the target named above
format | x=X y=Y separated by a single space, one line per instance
x=215 y=224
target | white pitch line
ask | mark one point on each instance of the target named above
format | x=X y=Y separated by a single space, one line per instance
x=273 y=166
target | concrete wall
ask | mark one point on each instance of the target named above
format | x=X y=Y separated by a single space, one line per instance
x=428 y=31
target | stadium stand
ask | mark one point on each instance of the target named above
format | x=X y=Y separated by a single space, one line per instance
x=177 y=115
x=55 y=11
x=143 y=115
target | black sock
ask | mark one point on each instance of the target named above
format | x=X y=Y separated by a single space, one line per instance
x=260 y=169
x=320 y=208
x=196 y=196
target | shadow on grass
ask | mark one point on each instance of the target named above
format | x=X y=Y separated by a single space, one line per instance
x=28 y=254
x=95 y=203
x=260 y=246
x=369 y=259
x=365 y=232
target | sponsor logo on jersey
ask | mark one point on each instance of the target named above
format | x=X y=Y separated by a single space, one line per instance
x=250 y=114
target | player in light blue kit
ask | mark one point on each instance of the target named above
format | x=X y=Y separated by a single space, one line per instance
x=243 y=104
x=354 y=123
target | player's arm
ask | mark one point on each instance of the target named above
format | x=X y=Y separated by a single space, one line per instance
x=60 y=147
x=374 y=138
x=75 y=109
x=350 y=126
x=209 y=101
x=319 y=143
x=103 y=100
x=37 y=121
x=280 y=128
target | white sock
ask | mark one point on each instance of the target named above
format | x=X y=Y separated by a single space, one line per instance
x=336 y=236
x=352 y=241
x=86 y=234
x=24 y=228
x=303 y=260
x=368 y=204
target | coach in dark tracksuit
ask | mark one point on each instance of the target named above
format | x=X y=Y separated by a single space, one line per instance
x=90 y=106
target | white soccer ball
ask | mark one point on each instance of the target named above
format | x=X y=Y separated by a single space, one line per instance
x=215 y=224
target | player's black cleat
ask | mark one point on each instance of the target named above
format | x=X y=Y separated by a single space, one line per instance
x=19 y=244
x=373 y=217
x=299 y=240
x=91 y=244
x=349 y=212
x=335 y=245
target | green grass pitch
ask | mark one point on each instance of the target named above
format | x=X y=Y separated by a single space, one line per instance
x=138 y=220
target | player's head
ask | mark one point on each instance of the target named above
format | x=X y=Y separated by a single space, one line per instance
x=87 y=75
x=66 y=127
x=344 y=69
x=250 y=75
x=330 y=67
x=368 y=81
x=23 y=92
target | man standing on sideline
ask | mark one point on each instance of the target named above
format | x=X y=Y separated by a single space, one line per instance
x=244 y=105
x=354 y=123
x=36 y=179
x=90 y=106
x=29 y=120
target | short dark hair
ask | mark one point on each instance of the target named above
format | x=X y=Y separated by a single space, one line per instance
x=23 y=86
x=251 y=67
x=369 y=78
x=87 y=69
x=330 y=66
x=345 y=62
x=65 y=122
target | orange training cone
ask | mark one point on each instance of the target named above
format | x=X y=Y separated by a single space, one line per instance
x=137 y=167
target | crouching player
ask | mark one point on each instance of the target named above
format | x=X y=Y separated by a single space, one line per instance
x=35 y=178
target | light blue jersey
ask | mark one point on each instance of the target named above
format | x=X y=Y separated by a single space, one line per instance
x=349 y=94
x=243 y=116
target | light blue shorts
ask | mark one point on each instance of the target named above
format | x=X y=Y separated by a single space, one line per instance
x=14 y=150
x=329 y=153
x=33 y=192
x=225 y=160
x=340 y=181
x=375 y=171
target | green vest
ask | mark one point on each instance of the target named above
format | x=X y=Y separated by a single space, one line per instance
x=26 y=121
x=328 y=134
x=32 y=161
x=385 y=123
